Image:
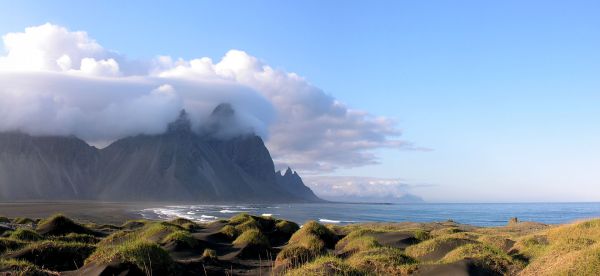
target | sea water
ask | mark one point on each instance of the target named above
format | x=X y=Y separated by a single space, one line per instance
x=486 y=214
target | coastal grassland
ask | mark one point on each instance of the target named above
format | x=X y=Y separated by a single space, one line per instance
x=572 y=249
x=8 y=244
x=241 y=244
x=20 y=267
x=489 y=256
x=54 y=255
x=325 y=265
x=311 y=241
x=147 y=256
x=252 y=237
x=181 y=237
x=25 y=234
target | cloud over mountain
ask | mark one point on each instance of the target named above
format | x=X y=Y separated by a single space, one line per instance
x=56 y=81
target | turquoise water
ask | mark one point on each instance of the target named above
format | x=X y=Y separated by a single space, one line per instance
x=492 y=214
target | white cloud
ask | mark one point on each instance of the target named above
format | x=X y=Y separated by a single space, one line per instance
x=104 y=67
x=357 y=186
x=56 y=81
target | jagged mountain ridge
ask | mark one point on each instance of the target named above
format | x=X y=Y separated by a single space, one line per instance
x=178 y=165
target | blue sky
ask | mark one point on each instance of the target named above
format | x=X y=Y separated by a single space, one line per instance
x=506 y=94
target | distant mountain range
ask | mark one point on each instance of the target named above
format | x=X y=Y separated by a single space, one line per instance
x=407 y=198
x=178 y=165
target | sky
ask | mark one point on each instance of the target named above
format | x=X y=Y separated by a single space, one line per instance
x=453 y=101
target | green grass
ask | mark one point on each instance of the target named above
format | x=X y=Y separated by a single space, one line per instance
x=286 y=227
x=312 y=228
x=59 y=224
x=20 y=267
x=383 y=261
x=428 y=247
x=181 y=236
x=305 y=245
x=134 y=223
x=25 y=234
x=326 y=265
x=116 y=238
x=20 y=220
x=230 y=231
x=492 y=257
x=445 y=231
x=292 y=256
x=240 y=218
x=357 y=244
x=185 y=224
x=421 y=235
x=75 y=237
x=151 y=232
x=252 y=237
x=532 y=246
x=572 y=249
x=248 y=225
x=7 y=244
x=56 y=255
x=148 y=256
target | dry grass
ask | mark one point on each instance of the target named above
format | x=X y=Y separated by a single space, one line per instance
x=492 y=257
x=432 y=246
x=20 y=267
x=383 y=261
x=572 y=249
x=326 y=265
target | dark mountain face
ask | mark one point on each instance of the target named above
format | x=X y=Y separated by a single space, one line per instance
x=179 y=165
x=293 y=184
x=45 y=167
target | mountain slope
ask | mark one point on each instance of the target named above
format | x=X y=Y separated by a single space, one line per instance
x=49 y=167
x=178 y=165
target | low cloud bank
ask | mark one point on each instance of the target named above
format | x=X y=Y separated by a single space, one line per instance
x=60 y=82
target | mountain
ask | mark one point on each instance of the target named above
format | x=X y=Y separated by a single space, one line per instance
x=207 y=165
x=292 y=182
x=44 y=167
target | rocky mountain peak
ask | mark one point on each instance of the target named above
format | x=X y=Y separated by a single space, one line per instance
x=223 y=110
x=181 y=124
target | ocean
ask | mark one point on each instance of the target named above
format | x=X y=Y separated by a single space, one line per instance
x=480 y=214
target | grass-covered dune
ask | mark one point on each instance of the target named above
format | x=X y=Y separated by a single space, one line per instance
x=254 y=245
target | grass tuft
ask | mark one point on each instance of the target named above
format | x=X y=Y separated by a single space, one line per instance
x=252 y=237
x=326 y=265
x=20 y=220
x=209 y=254
x=55 y=255
x=25 y=234
x=287 y=227
x=147 y=256
x=20 y=267
x=492 y=257
x=180 y=236
x=7 y=244
x=383 y=261
x=75 y=237
x=230 y=231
